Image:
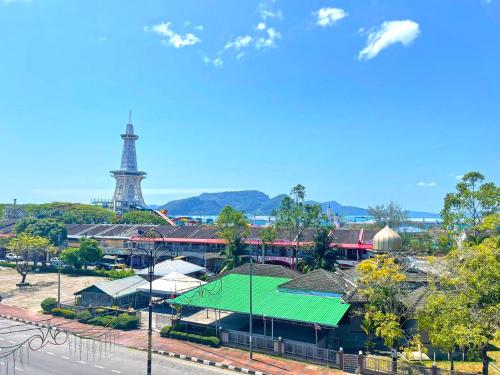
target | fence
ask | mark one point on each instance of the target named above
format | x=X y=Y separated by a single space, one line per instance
x=373 y=365
x=310 y=352
x=243 y=339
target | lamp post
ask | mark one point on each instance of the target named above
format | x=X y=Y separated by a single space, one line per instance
x=152 y=252
x=251 y=302
x=59 y=274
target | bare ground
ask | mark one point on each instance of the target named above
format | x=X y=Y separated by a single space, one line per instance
x=41 y=286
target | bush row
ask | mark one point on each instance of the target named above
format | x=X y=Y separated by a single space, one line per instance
x=123 y=321
x=68 y=314
x=205 y=340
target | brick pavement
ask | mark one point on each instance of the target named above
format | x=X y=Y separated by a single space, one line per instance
x=138 y=339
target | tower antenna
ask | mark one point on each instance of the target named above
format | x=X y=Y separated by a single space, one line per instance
x=130 y=116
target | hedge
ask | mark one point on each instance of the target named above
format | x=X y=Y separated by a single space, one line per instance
x=84 y=316
x=123 y=321
x=48 y=304
x=205 y=340
x=68 y=314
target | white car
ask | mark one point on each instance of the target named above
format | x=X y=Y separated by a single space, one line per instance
x=11 y=257
x=56 y=262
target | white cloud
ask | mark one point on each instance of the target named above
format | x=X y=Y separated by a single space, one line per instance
x=329 y=16
x=174 y=39
x=8 y=2
x=198 y=27
x=267 y=12
x=240 y=55
x=387 y=34
x=261 y=26
x=459 y=177
x=427 y=184
x=270 y=40
x=240 y=42
x=217 y=62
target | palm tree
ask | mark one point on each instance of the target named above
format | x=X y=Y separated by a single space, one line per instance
x=232 y=254
x=321 y=255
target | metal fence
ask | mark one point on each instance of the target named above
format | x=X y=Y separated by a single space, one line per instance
x=243 y=339
x=310 y=352
x=374 y=365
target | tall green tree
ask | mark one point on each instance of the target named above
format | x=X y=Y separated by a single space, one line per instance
x=49 y=228
x=382 y=281
x=465 y=311
x=71 y=256
x=141 y=217
x=294 y=216
x=27 y=247
x=473 y=200
x=391 y=214
x=267 y=236
x=89 y=251
x=321 y=254
x=233 y=228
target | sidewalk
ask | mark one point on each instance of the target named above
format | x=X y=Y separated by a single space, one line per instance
x=226 y=356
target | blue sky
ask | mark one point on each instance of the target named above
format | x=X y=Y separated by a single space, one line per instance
x=361 y=101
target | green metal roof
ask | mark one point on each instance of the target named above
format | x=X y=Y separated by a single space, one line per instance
x=231 y=293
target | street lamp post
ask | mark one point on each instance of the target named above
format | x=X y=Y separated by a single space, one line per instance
x=152 y=253
x=251 y=303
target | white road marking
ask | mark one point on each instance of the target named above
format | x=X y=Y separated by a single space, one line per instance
x=1 y=339
x=118 y=372
x=98 y=367
x=1 y=363
x=64 y=357
x=18 y=369
x=11 y=342
x=50 y=353
x=81 y=362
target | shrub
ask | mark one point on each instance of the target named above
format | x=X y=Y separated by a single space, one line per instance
x=84 y=316
x=69 y=314
x=104 y=321
x=165 y=331
x=120 y=274
x=126 y=322
x=48 y=304
x=205 y=340
x=100 y=311
x=56 y=311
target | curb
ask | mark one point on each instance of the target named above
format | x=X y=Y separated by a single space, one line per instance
x=167 y=354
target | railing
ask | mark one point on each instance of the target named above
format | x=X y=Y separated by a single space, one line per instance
x=243 y=339
x=310 y=352
x=373 y=365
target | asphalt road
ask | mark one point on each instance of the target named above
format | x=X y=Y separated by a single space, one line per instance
x=60 y=360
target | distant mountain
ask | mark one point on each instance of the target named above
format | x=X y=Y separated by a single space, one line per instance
x=255 y=203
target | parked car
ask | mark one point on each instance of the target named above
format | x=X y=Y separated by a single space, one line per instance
x=11 y=257
x=56 y=262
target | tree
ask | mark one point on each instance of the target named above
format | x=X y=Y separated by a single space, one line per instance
x=294 y=216
x=392 y=215
x=70 y=213
x=465 y=311
x=26 y=247
x=321 y=255
x=381 y=280
x=473 y=200
x=71 y=256
x=49 y=228
x=141 y=217
x=267 y=235
x=233 y=228
x=89 y=251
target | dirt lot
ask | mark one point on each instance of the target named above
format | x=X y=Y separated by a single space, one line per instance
x=42 y=286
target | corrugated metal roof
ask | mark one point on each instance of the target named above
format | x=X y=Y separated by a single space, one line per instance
x=119 y=288
x=168 y=266
x=231 y=293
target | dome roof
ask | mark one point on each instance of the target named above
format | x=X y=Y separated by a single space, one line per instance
x=387 y=240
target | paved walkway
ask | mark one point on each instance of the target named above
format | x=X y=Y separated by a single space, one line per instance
x=138 y=339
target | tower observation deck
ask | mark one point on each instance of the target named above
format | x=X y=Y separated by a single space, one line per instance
x=128 y=193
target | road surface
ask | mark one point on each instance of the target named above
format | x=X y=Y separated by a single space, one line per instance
x=60 y=360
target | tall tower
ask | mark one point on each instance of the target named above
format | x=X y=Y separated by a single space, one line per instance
x=128 y=192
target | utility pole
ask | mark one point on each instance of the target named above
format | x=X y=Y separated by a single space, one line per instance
x=251 y=304
x=59 y=273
